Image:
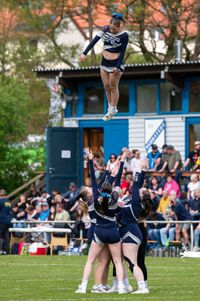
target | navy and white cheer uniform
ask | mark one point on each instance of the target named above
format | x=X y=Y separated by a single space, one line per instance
x=106 y=229
x=115 y=43
x=130 y=213
x=91 y=210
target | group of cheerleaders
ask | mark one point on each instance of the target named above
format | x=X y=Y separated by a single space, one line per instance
x=117 y=233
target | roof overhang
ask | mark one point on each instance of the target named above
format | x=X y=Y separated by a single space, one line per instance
x=174 y=72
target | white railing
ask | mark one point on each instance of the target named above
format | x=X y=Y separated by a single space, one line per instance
x=192 y=223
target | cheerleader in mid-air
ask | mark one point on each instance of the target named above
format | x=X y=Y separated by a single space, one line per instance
x=115 y=41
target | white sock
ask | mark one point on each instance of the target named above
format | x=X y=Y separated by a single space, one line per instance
x=84 y=283
x=126 y=282
x=115 y=281
x=120 y=284
x=141 y=285
x=109 y=107
x=146 y=284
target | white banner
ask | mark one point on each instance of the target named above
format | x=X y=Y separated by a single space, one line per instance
x=154 y=132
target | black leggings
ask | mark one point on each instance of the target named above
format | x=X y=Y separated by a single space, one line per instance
x=142 y=251
x=4 y=238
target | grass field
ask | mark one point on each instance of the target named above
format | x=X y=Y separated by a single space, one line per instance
x=45 y=278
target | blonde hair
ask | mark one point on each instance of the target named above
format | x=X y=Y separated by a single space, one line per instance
x=193 y=177
x=83 y=206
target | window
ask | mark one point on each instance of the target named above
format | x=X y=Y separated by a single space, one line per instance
x=123 y=104
x=194 y=97
x=146 y=98
x=194 y=135
x=94 y=100
x=170 y=98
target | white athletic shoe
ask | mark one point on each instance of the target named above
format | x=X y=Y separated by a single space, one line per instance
x=122 y=290
x=107 y=117
x=141 y=291
x=113 y=110
x=106 y=287
x=99 y=289
x=114 y=289
x=128 y=288
x=80 y=290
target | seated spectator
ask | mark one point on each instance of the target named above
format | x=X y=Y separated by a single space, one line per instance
x=163 y=154
x=34 y=198
x=170 y=185
x=38 y=209
x=164 y=203
x=61 y=214
x=197 y=238
x=126 y=183
x=45 y=196
x=71 y=191
x=82 y=220
x=22 y=204
x=55 y=191
x=46 y=235
x=19 y=215
x=193 y=186
x=193 y=157
x=135 y=161
x=154 y=158
x=153 y=229
x=31 y=213
x=155 y=186
x=173 y=162
x=182 y=214
x=167 y=233
x=194 y=205
x=59 y=199
x=111 y=164
x=52 y=213
x=44 y=215
x=99 y=165
x=127 y=161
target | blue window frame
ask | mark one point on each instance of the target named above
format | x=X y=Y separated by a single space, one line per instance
x=192 y=133
x=162 y=98
x=92 y=99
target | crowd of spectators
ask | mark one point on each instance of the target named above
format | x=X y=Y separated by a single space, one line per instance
x=170 y=200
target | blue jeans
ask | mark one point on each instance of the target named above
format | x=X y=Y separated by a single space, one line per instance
x=19 y=225
x=154 y=234
x=196 y=238
x=167 y=234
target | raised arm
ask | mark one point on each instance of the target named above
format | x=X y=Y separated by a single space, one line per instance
x=103 y=177
x=137 y=184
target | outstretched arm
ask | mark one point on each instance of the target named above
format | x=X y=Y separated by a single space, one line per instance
x=117 y=177
x=91 y=45
x=93 y=179
x=103 y=177
x=137 y=184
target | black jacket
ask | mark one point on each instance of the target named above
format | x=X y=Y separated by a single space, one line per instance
x=5 y=211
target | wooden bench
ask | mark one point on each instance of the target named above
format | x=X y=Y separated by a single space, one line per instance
x=174 y=248
x=55 y=241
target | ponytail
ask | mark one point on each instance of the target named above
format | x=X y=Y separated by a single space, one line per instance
x=146 y=204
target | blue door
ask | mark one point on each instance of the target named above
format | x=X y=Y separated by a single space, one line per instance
x=63 y=158
x=115 y=134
